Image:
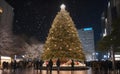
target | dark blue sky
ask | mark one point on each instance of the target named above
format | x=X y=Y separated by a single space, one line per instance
x=34 y=17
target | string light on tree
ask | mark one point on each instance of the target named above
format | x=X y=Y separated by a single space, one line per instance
x=63 y=39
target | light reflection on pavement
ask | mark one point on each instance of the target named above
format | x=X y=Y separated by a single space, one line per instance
x=32 y=71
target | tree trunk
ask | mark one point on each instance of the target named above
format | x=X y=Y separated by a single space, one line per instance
x=113 y=60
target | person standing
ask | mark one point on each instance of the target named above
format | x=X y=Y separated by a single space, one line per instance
x=50 y=65
x=37 y=65
x=72 y=65
x=40 y=65
x=4 y=65
x=14 y=65
x=58 y=64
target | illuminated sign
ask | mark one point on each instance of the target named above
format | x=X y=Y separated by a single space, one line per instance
x=88 y=29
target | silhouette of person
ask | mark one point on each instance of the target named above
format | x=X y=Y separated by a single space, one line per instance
x=4 y=65
x=72 y=65
x=47 y=66
x=37 y=65
x=40 y=65
x=58 y=65
x=50 y=65
x=14 y=65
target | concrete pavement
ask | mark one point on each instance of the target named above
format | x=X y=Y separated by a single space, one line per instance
x=32 y=71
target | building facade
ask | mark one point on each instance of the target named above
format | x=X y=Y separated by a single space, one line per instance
x=6 y=21
x=111 y=13
x=87 y=39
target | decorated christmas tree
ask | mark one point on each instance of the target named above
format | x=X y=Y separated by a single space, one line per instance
x=63 y=41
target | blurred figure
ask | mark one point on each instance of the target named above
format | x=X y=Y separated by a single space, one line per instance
x=58 y=65
x=72 y=65
x=50 y=65
x=14 y=65
x=4 y=65
x=47 y=66
x=40 y=65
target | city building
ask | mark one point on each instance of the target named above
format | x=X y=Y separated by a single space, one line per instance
x=6 y=14
x=87 y=39
x=111 y=13
x=11 y=44
x=6 y=18
x=6 y=21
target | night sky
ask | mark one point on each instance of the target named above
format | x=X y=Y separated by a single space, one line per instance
x=34 y=17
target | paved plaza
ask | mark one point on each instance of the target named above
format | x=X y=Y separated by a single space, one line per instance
x=32 y=71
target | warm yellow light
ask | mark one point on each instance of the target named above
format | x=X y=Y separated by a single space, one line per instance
x=1 y=11
x=55 y=45
x=67 y=45
x=5 y=57
x=48 y=48
x=60 y=47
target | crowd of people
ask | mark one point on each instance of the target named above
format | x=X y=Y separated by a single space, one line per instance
x=36 y=64
x=97 y=66
x=49 y=65
x=104 y=67
x=13 y=65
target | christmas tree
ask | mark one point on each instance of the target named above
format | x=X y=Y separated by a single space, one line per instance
x=63 y=41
